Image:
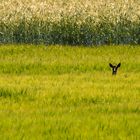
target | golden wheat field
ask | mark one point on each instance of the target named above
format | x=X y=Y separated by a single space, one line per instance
x=74 y=22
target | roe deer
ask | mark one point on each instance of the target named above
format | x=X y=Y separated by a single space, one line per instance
x=114 y=68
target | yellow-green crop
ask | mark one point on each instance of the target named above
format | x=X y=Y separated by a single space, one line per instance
x=59 y=92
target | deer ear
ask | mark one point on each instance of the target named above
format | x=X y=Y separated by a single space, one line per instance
x=110 y=65
x=118 y=65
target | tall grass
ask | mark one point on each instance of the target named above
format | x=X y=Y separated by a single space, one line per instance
x=59 y=93
x=72 y=22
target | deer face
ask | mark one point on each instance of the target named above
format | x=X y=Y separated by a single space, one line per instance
x=114 y=68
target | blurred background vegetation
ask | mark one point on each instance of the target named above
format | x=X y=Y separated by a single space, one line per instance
x=71 y=22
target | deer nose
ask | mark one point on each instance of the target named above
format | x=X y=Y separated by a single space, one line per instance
x=114 y=72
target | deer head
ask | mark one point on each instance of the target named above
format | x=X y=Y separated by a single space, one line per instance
x=114 y=68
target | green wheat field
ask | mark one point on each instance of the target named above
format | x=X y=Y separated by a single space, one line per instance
x=61 y=87
x=69 y=93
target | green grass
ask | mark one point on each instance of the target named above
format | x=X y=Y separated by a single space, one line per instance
x=62 y=92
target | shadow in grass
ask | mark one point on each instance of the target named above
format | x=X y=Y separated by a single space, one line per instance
x=16 y=94
x=38 y=68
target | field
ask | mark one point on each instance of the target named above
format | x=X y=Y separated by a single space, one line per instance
x=63 y=92
x=71 y=22
x=61 y=87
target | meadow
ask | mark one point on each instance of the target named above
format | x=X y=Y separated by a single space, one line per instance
x=63 y=92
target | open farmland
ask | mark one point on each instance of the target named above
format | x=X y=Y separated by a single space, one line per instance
x=63 y=92
x=71 y=22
